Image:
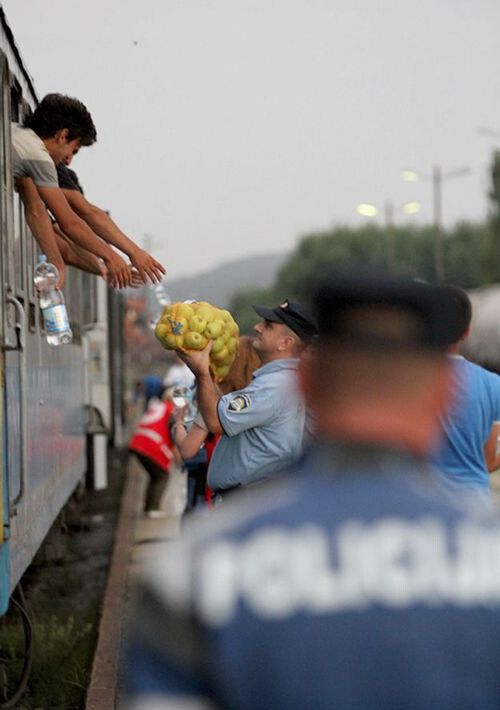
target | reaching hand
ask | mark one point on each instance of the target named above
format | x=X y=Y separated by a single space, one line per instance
x=136 y=281
x=147 y=266
x=119 y=275
x=179 y=414
x=198 y=361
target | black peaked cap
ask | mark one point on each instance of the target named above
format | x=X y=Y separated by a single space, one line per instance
x=433 y=306
x=292 y=315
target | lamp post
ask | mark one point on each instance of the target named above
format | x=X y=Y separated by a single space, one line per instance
x=436 y=179
x=366 y=209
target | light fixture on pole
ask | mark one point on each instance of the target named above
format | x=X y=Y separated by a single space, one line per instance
x=437 y=178
x=369 y=210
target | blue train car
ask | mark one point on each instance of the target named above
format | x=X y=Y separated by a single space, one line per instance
x=47 y=391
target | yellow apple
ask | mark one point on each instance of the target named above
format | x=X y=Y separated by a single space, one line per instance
x=173 y=342
x=221 y=371
x=221 y=357
x=197 y=324
x=217 y=345
x=232 y=345
x=194 y=341
x=183 y=310
x=161 y=330
x=214 y=329
x=206 y=312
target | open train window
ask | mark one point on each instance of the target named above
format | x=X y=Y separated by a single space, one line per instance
x=15 y=102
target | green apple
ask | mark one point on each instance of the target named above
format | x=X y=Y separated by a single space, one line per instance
x=194 y=341
x=217 y=345
x=197 y=324
x=214 y=329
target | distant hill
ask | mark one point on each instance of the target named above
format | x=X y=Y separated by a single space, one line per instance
x=220 y=283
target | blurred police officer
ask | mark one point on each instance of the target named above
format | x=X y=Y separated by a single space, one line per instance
x=357 y=586
x=262 y=426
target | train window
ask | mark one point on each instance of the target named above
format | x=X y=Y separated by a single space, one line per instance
x=15 y=102
x=19 y=245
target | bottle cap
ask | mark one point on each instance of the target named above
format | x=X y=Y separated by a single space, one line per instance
x=42 y=258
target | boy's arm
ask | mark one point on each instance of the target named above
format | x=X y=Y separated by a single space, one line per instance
x=76 y=256
x=78 y=231
x=103 y=225
x=39 y=222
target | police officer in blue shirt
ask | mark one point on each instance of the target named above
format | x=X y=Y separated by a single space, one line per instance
x=352 y=582
x=262 y=426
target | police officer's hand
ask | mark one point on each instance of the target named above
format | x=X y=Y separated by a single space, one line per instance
x=198 y=361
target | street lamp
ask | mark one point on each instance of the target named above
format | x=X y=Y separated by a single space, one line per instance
x=437 y=178
x=367 y=209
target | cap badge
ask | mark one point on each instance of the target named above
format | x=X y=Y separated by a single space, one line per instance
x=284 y=305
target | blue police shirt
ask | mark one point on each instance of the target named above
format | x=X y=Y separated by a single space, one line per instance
x=352 y=582
x=468 y=424
x=263 y=427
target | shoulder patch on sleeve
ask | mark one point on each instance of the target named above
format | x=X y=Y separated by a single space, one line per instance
x=239 y=403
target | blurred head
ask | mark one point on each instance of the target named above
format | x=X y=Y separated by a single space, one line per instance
x=463 y=306
x=378 y=372
x=243 y=367
x=64 y=125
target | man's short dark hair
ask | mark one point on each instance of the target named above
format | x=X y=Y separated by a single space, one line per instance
x=56 y=112
x=463 y=306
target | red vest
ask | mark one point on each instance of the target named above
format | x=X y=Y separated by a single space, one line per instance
x=152 y=436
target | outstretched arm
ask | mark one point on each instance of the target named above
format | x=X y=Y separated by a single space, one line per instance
x=74 y=255
x=78 y=231
x=39 y=222
x=103 y=225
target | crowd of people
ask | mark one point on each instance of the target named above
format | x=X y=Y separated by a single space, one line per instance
x=352 y=560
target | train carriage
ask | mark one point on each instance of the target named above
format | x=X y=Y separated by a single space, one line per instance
x=49 y=394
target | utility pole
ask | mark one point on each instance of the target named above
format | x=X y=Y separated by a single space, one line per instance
x=437 y=183
x=390 y=235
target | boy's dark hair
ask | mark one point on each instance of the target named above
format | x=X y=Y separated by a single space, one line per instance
x=463 y=306
x=56 y=112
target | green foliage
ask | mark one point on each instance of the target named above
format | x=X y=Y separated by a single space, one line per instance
x=467 y=254
x=62 y=654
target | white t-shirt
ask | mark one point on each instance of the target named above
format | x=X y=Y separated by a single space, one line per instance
x=179 y=375
x=31 y=159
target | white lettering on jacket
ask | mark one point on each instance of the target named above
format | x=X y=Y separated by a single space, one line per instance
x=278 y=572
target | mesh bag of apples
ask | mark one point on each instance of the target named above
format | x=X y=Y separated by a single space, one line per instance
x=189 y=326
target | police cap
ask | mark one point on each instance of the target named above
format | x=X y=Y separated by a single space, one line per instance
x=292 y=315
x=382 y=311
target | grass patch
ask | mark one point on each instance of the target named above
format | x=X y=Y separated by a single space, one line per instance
x=62 y=657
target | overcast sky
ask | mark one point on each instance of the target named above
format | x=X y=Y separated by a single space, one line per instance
x=232 y=127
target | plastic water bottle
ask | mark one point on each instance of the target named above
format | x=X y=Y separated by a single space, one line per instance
x=54 y=313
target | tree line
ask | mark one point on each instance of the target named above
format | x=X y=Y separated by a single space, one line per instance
x=471 y=256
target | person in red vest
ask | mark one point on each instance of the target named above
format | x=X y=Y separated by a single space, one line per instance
x=153 y=446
